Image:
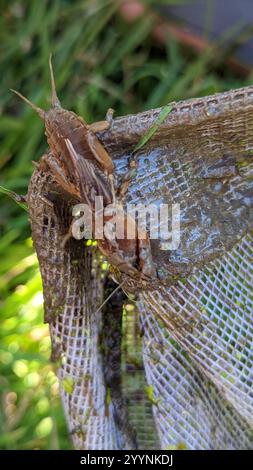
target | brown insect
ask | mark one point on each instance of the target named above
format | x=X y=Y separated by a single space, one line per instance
x=83 y=168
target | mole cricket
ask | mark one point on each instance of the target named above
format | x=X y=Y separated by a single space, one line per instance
x=83 y=168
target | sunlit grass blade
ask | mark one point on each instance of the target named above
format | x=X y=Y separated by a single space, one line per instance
x=153 y=129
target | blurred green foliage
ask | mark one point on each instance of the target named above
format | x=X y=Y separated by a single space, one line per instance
x=100 y=61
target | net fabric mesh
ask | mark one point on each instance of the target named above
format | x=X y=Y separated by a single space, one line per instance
x=73 y=288
x=201 y=159
x=203 y=389
x=195 y=333
x=134 y=381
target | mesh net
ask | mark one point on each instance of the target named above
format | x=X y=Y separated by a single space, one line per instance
x=178 y=374
x=203 y=389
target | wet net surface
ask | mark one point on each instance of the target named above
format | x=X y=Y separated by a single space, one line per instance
x=185 y=375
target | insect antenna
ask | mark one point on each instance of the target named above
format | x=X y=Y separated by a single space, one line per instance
x=38 y=110
x=54 y=98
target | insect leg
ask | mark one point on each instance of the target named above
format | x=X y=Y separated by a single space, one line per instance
x=109 y=116
x=101 y=126
x=111 y=180
x=126 y=179
x=145 y=257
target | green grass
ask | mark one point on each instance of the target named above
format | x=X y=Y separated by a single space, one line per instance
x=100 y=62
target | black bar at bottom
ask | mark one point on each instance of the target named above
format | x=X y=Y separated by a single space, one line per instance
x=174 y=459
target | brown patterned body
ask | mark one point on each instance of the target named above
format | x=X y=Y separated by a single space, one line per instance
x=83 y=168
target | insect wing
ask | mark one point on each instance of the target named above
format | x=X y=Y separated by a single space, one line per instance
x=91 y=181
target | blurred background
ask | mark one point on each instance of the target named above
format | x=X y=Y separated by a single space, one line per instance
x=128 y=55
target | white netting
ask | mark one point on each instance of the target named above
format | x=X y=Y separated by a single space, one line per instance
x=199 y=376
x=203 y=389
x=187 y=358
